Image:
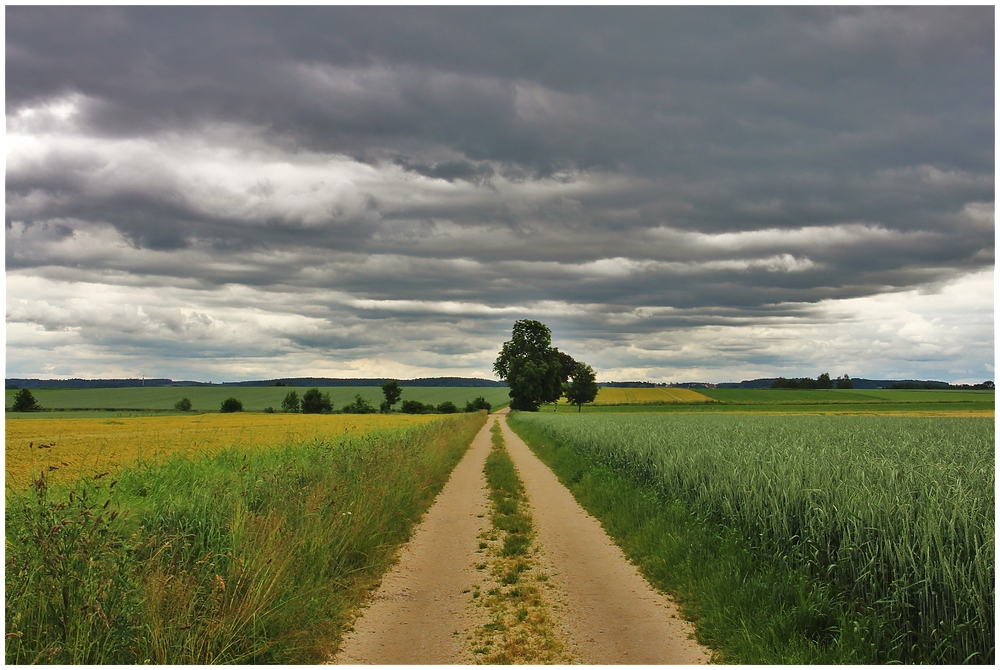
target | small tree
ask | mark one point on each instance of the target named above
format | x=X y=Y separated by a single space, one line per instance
x=25 y=402
x=844 y=382
x=583 y=388
x=447 y=407
x=824 y=381
x=231 y=405
x=291 y=402
x=314 y=402
x=392 y=392
x=183 y=405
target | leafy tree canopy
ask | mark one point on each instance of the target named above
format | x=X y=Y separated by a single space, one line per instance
x=392 y=392
x=24 y=401
x=314 y=402
x=533 y=369
x=477 y=404
x=291 y=402
x=231 y=405
x=583 y=388
x=359 y=406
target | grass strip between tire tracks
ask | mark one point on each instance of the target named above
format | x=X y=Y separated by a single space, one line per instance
x=521 y=628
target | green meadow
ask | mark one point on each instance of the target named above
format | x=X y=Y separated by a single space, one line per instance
x=97 y=402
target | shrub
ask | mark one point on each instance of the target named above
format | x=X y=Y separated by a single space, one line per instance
x=314 y=402
x=183 y=405
x=447 y=407
x=25 y=402
x=477 y=404
x=415 y=407
x=231 y=405
x=268 y=410
x=291 y=402
x=359 y=406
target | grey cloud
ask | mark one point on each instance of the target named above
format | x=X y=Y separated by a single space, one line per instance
x=449 y=170
x=601 y=160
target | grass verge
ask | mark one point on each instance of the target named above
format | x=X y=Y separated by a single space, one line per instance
x=521 y=629
x=238 y=558
x=748 y=606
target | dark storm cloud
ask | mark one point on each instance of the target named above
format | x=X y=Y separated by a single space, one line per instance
x=627 y=171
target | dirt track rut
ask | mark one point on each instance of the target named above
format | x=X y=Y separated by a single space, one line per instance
x=419 y=613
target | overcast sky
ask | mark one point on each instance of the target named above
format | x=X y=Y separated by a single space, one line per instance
x=679 y=193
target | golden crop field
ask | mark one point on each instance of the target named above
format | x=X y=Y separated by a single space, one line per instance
x=66 y=449
x=648 y=396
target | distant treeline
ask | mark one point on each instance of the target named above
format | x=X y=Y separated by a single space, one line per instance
x=859 y=383
x=821 y=382
x=451 y=382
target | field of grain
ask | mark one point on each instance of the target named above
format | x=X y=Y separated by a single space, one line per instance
x=647 y=396
x=894 y=514
x=66 y=449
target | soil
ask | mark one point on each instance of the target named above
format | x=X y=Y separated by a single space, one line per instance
x=606 y=612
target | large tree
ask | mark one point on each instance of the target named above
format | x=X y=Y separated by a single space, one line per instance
x=532 y=368
x=583 y=388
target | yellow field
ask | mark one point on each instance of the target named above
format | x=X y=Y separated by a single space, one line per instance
x=647 y=396
x=66 y=449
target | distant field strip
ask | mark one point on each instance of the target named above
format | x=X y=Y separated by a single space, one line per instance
x=814 y=401
x=648 y=396
x=254 y=398
x=847 y=396
x=66 y=449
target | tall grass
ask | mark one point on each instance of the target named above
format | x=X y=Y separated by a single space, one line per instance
x=891 y=518
x=254 y=557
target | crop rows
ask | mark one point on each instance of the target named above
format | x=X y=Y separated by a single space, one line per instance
x=896 y=514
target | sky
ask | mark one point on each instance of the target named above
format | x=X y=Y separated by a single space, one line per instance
x=679 y=193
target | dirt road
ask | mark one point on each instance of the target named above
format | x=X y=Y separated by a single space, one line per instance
x=419 y=613
x=610 y=614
